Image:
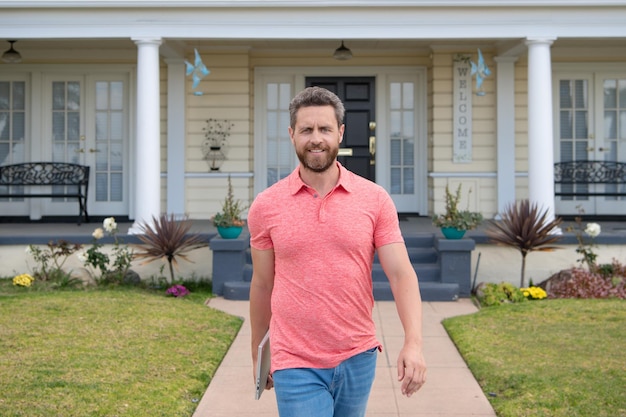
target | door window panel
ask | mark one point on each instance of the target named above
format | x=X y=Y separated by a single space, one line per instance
x=574 y=126
x=66 y=125
x=109 y=141
x=66 y=122
x=614 y=143
x=12 y=126
x=279 y=149
x=402 y=138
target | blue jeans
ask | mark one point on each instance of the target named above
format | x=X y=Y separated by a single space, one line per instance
x=342 y=391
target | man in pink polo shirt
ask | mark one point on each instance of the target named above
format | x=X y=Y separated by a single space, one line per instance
x=313 y=238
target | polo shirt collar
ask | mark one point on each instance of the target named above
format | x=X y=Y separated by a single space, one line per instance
x=296 y=183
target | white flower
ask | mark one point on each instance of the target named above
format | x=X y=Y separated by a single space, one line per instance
x=109 y=224
x=592 y=229
x=82 y=256
x=98 y=233
x=28 y=250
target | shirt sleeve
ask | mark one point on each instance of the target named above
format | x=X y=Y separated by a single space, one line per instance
x=387 y=226
x=257 y=225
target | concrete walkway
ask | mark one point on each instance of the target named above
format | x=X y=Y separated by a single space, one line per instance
x=450 y=389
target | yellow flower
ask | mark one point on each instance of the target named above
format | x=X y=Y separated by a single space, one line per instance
x=23 y=280
x=534 y=293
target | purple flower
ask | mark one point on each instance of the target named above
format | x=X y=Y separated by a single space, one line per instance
x=177 y=291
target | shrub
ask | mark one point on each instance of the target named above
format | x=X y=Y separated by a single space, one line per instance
x=526 y=227
x=608 y=281
x=169 y=239
x=107 y=269
x=50 y=259
x=497 y=294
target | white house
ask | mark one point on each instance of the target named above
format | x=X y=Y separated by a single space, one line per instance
x=104 y=83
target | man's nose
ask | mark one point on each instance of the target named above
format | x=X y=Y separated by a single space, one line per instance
x=317 y=136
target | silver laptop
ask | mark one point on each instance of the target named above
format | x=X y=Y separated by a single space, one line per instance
x=263 y=365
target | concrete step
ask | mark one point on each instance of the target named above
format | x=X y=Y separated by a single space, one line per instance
x=422 y=254
x=430 y=291
x=418 y=255
x=426 y=272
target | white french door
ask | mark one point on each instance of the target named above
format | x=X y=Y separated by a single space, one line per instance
x=591 y=125
x=85 y=121
x=610 y=143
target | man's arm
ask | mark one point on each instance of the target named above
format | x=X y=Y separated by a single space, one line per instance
x=260 y=298
x=403 y=281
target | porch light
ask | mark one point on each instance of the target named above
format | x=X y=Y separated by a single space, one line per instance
x=342 y=53
x=11 y=56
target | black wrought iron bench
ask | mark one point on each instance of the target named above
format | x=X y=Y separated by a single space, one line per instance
x=575 y=178
x=71 y=181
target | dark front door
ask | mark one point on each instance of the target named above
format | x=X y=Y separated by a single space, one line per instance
x=357 y=152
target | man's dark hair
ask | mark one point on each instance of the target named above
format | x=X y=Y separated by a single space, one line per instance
x=315 y=96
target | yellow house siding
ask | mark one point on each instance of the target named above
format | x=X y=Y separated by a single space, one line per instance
x=226 y=93
x=205 y=195
x=483 y=184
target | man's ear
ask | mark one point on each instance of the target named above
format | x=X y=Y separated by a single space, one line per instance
x=290 y=130
x=342 y=128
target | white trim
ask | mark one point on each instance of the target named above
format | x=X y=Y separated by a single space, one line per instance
x=469 y=174
x=219 y=175
x=176 y=143
x=408 y=20
x=305 y=3
x=505 y=128
x=585 y=67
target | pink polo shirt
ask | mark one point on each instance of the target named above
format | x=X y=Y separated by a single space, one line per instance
x=322 y=299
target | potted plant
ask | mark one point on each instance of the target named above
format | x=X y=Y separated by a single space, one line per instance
x=454 y=222
x=228 y=221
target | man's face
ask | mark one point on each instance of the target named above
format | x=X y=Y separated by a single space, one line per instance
x=316 y=137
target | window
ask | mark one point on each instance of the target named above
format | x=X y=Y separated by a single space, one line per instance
x=402 y=138
x=279 y=149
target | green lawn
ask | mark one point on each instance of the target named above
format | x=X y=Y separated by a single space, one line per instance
x=117 y=352
x=557 y=358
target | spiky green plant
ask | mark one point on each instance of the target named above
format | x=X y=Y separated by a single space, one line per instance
x=525 y=227
x=167 y=238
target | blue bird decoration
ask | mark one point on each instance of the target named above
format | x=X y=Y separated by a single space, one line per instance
x=198 y=71
x=481 y=71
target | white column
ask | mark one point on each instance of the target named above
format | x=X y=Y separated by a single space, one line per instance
x=147 y=159
x=505 y=114
x=540 y=130
x=176 y=137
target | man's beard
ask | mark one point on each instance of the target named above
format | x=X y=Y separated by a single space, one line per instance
x=315 y=163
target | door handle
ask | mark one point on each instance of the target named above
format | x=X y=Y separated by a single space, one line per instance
x=603 y=149
x=92 y=150
x=372 y=145
x=79 y=150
